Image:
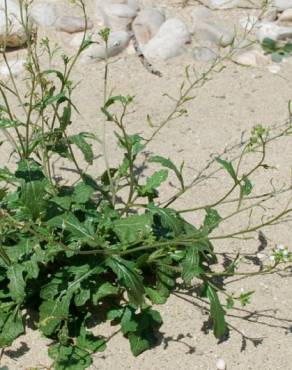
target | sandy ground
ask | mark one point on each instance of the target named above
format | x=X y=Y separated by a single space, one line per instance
x=231 y=103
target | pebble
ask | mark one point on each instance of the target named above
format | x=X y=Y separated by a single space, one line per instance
x=220 y=364
x=115 y=16
x=72 y=24
x=275 y=68
x=273 y=31
x=17 y=35
x=118 y=41
x=207 y=27
x=147 y=24
x=17 y=67
x=169 y=41
x=283 y=4
x=43 y=14
x=204 y=54
x=247 y=59
x=229 y=4
x=286 y=16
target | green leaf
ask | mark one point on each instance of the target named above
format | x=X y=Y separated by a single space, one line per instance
x=16 y=285
x=154 y=181
x=191 y=264
x=81 y=143
x=277 y=57
x=217 y=313
x=155 y=296
x=269 y=45
x=69 y=357
x=12 y=327
x=29 y=170
x=7 y=123
x=32 y=197
x=82 y=193
x=212 y=219
x=86 y=340
x=228 y=167
x=128 y=277
x=105 y=290
x=168 y=164
x=138 y=344
x=288 y=47
x=52 y=313
x=246 y=188
x=82 y=297
x=168 y=220
x=133 y=228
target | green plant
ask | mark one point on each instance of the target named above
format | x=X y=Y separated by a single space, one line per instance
x=278 y=52
x=107 y=248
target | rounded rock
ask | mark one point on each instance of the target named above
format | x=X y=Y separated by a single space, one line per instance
x=147 y=24
x=17 y=67
x=43 y=14
x=72 y=24
x=204 y=54
x=220 y=364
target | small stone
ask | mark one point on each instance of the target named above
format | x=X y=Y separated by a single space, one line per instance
x=273 y=31
x=17 y=35
x=283 y=4
x=229 y=4
x=169 y=41
x=220 y=364
x=204 y=54
x=247 y=59
x=118 y=41
x=72 y=24
x=43 y=14
x=147 y=24
x=207 y=28
x=16 y=67
x=115 y=16
x=286 y=16
x=275 y=68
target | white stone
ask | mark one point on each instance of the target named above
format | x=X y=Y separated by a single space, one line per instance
x=17 y=35
x=16 y=67
x=208 y=28
x=273 y=31
x=286 y=16
x=275 y=68
x=118 y=41
x=72 y=24
x=147 y=24
x=169 y=41
x=115 y=16
x=43 y=14
x=221 y=365
x=247 y=59
x=283 y=4
x=204 y=54
x=229 y=4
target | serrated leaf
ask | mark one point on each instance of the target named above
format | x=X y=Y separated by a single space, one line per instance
x=82 y=297
x=228 y=167
x=82 y=193
x=133 y=228
x=168 y=220
x=154 y=181
x=128 y=277
x=32 y=197
x=12 y=327
x=69 y=357
x=212 y=218
x=16 y=283
x=82 y=144
x=191 y=264
x=155 y=296
x=52 y=313
x=86 y=340
x=105 y=290
x=217 y=313
x=165 y=162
